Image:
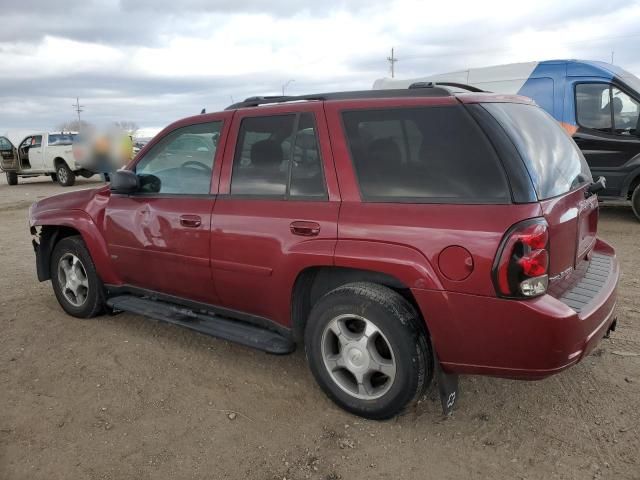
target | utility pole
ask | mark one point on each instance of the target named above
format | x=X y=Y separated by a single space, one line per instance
x=79 y=109
x=286 y=84
x=392 y=60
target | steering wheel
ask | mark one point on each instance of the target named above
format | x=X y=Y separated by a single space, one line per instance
x=196 y=164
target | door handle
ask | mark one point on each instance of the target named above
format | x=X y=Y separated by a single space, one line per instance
x=191 y=221
x=305 y=229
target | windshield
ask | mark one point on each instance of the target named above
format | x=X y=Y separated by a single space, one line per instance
x=631 y=80
x=555 y=163
x=61 y=138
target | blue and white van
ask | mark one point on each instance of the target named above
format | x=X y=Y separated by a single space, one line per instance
x=597 y=103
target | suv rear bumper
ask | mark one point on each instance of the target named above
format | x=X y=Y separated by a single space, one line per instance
x=527 y=339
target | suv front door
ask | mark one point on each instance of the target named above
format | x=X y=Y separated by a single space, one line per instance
x=277 y=211
x=159 y=237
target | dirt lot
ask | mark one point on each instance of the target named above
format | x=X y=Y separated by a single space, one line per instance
x=129 y=398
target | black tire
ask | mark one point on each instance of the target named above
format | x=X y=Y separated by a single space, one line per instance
x=635 y=202
x=94 y=302
x=12 y=178
x=398 y=322
x=65 y=176
x=54 y=177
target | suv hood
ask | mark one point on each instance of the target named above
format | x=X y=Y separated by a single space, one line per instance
x=77 y=200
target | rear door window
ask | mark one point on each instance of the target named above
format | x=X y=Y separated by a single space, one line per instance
x=554 y=162
x=278 y=156
x=428 y=154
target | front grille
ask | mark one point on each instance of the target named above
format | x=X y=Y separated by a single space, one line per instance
x=582 y=293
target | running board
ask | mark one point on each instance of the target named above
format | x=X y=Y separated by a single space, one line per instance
x=209 y=324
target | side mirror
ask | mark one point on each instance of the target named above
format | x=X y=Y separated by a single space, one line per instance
x=124 y=181
x=596 y=186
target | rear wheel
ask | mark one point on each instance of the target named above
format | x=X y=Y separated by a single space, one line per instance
x=12 y=178
x=74 y=279
x=367 y=351
x=635 y=202
x=65 y=176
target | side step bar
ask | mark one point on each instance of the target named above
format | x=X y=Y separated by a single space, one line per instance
x=209 y=324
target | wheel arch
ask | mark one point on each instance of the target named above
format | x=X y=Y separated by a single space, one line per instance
x=58 y=161
x=53 y=226
x=313 y=282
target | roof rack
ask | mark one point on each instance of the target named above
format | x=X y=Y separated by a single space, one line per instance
x=462 y=86
x=433 y=90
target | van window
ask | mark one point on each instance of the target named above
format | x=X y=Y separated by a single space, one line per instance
x=428 y=154
x=593 y=109
x=555 y=163
x=625 y=113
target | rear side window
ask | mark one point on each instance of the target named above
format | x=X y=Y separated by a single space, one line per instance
x=428 y=154
x=554 y=162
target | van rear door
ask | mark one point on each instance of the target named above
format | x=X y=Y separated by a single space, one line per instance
x=560 y=177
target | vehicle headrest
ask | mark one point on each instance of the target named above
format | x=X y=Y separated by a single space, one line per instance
x=266 y=153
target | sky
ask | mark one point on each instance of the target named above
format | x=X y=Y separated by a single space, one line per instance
x=155 y=61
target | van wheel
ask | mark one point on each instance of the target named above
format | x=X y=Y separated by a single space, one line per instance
x=12 y=178
x=635 y=202
x=65 y=176
x=366 y=350
x=75 y=281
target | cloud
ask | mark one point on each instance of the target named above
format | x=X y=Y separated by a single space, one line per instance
x=153 y=61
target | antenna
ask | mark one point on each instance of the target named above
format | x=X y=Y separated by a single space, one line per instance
x=79 y=109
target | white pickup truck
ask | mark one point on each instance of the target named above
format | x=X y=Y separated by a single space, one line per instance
x=41 y=154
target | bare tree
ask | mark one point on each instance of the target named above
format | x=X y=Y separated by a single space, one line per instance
x=128 y=126
x=74 y=126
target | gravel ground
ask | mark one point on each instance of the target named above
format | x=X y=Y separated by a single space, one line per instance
x=129 y=398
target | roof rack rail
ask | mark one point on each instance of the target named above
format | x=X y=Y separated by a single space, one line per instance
x=432 y=91
x=462 y=86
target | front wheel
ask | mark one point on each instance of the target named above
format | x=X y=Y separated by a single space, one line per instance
x=12 y=178
x=74 y=278
x=635 y=202
x=367 y=351
x=65 y=176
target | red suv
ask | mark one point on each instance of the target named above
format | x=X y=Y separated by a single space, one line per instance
x=394 y=233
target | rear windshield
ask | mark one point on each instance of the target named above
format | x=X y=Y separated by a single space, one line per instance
x=555 y=163
x=61 y=138
x=419 y=155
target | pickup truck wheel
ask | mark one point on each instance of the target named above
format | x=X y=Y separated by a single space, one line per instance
x=366 y=350
x=66 y=177
x=12 y=178
x=74 y=278
x=635 y=202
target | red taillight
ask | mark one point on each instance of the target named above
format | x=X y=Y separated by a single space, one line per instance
x=521 y=268
x=535 y=264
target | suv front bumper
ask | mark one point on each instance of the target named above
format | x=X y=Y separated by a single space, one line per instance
x=527 y=339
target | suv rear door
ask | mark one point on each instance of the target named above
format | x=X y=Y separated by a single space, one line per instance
x=278 y=206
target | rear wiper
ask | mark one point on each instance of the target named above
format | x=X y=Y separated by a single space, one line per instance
x=596 y=187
